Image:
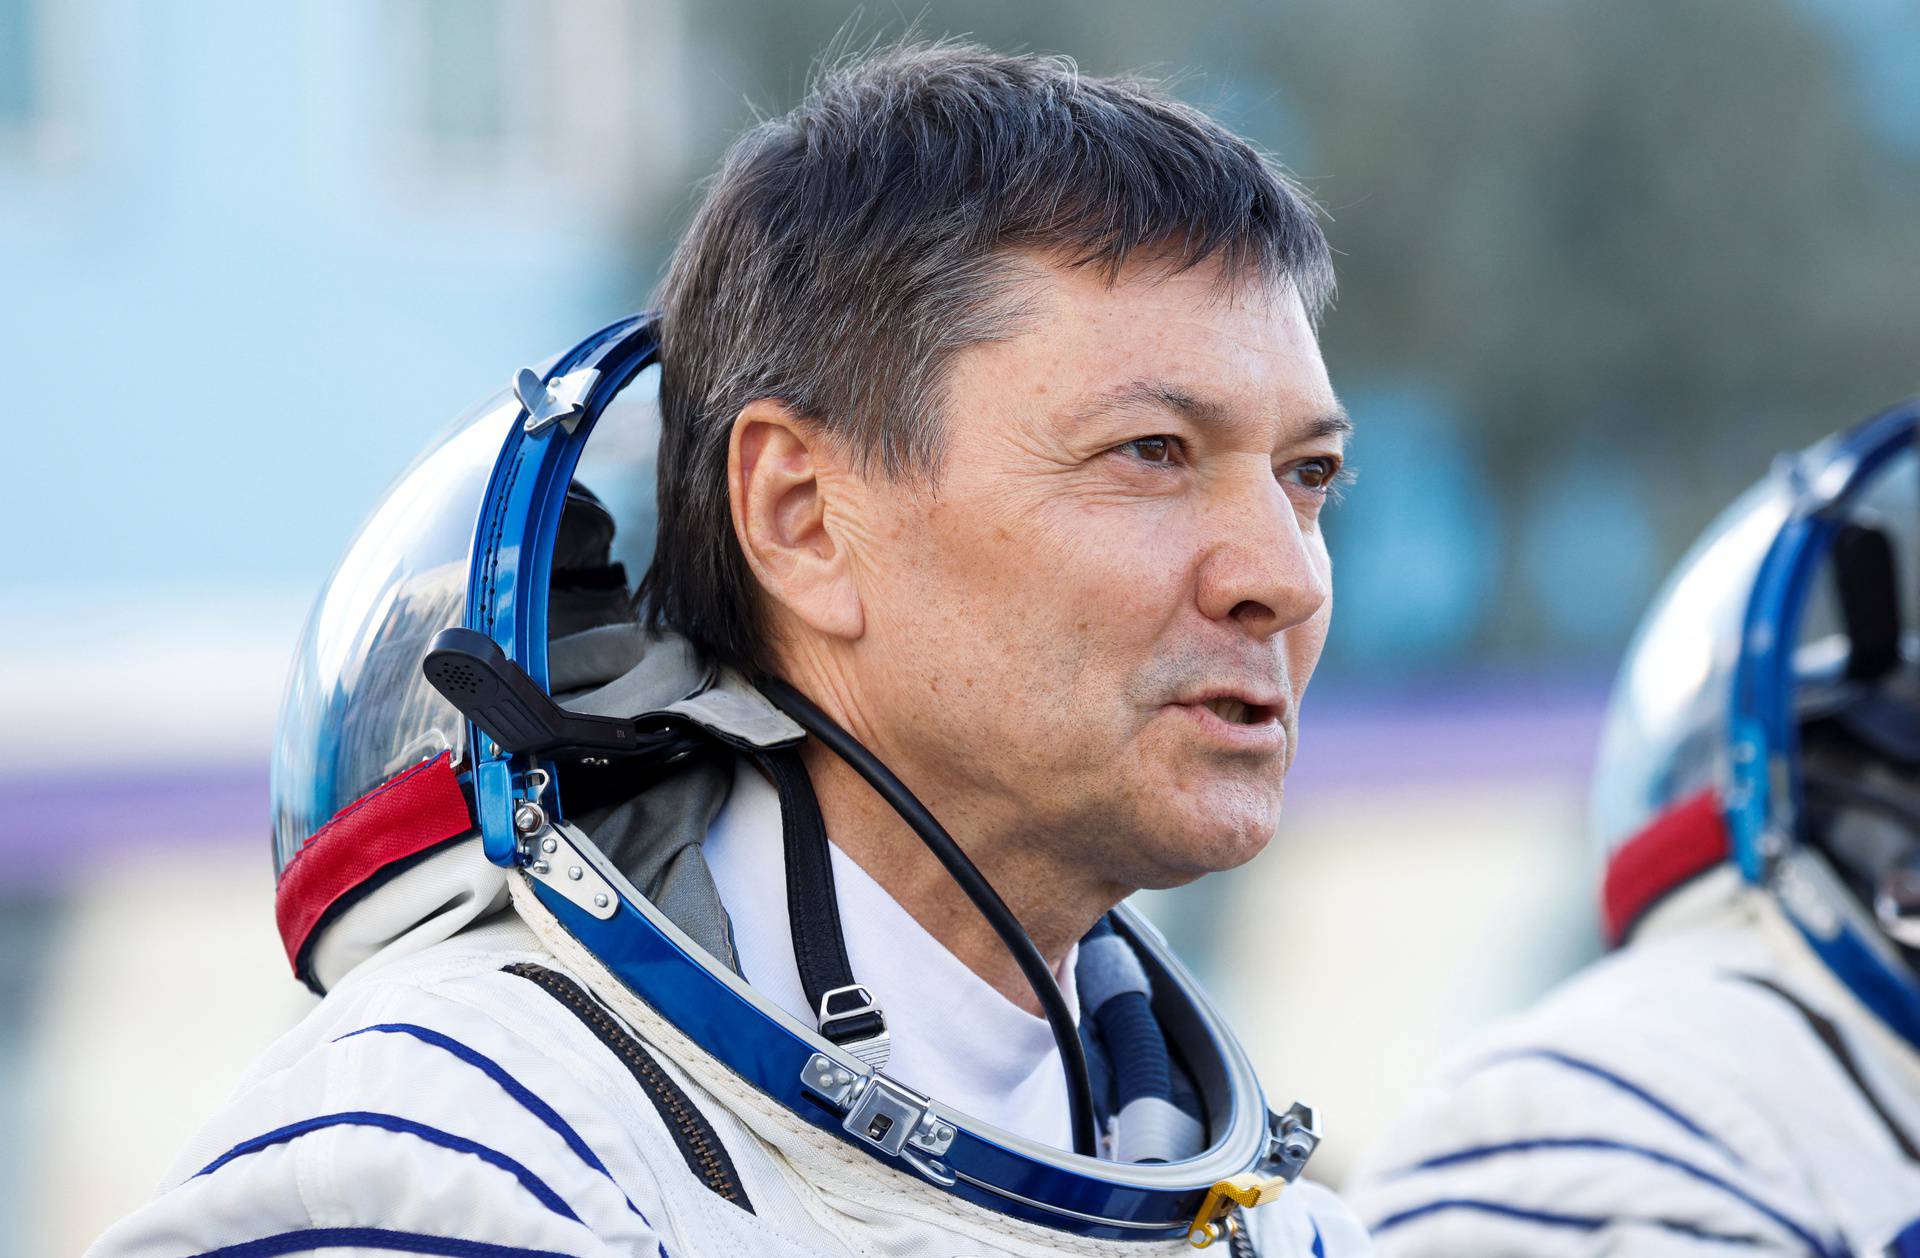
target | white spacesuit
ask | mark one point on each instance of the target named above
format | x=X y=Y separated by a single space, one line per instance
x=1710 y=1088
x=538 y=1035
x=1743 y=1075
x=491 y=1096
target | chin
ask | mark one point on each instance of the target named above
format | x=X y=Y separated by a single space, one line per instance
x=1188 y=848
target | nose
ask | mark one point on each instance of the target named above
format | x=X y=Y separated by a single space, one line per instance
x=1265 y=568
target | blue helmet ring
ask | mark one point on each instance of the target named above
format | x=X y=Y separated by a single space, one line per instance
x=1766 y=799
x=1788 y=613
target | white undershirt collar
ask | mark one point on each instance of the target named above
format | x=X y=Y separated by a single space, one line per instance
x=955 y=1037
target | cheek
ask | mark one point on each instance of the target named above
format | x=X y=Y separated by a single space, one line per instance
x=1117 y=569
x=1307 y=640
x=964 y=601
x=1057 y=609
x=1051 y=565
x=1305 y=644
x=1105 y=591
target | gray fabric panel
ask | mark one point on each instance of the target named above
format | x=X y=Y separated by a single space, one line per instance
x=735 y=708
x=635 y=674
x=655 y=839
x=668 y=672
x=588 y=658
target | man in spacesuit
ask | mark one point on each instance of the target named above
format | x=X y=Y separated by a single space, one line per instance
x=1743 y=1075
x=993 y=443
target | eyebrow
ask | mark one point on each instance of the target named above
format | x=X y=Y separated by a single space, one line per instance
x=1163 y=395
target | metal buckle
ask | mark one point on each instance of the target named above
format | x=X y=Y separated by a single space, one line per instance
x=876 y=1048
x=890 y=1117
x=885 y=1114
x=1291 y=1139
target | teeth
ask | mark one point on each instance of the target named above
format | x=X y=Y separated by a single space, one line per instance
x=1230 y=710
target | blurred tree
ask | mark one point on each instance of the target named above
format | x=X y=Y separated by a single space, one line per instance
x=1660 y=232
x=1651 y=225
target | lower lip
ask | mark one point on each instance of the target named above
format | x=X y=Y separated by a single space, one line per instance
x=1268 y=736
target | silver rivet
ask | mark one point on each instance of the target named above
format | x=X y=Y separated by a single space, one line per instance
x=575 y=872
x=549 y=846
x=842 y=1077
x=541 y=868
x=599 y=899
x=945 y=1133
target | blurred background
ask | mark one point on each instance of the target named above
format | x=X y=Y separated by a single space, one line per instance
x=1598 y=263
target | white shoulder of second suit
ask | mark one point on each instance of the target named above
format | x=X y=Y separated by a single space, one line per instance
x=1709 y=1085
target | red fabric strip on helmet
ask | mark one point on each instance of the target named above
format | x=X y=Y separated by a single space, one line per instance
x=401 y=817
x=1679 y=844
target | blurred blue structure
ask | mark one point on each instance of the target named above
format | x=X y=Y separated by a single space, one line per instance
x=1879 y=38
x=311 y=233
x=1418 y=547
x=255 y=255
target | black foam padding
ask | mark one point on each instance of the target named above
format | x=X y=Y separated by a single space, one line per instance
x=1866 y=580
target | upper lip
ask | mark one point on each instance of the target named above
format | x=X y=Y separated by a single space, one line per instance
x=1261 y=704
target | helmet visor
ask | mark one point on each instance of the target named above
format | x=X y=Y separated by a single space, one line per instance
x=357 y=708
x=1667 y=721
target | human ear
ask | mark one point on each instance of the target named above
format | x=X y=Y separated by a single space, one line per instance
x=781 y=485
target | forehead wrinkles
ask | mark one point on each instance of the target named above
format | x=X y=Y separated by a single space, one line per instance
x=1215 y=353
x=1148 y=397
x=1037 y=293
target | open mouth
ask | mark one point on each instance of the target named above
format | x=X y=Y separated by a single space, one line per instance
x=1238 y=712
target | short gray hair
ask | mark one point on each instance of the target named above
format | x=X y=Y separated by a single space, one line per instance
x=846 y=252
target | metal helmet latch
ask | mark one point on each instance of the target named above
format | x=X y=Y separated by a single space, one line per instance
x=561 y=401
x=1292 y=1138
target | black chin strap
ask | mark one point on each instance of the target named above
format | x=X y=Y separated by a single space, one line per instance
x=1046 y=989
x=845 y=1010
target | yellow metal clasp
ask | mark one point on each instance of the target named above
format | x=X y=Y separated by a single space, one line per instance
x=1246 y=1190
x=1291 y=1140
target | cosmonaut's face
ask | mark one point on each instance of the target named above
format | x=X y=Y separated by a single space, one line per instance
x=1101 y=618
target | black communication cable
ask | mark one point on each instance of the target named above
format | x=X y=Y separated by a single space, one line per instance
x=1066 y=1036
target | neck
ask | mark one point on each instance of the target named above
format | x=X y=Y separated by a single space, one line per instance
x=1053 y=899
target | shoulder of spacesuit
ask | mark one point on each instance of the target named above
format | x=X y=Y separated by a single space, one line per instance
x=1636 y=1109
x=445 y=1099
x=1307 y=1221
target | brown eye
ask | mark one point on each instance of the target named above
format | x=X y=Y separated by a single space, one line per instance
x=1151 y=449
x=1314 y=474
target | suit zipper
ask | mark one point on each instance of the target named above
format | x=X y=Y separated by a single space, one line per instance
x=699 y=1144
